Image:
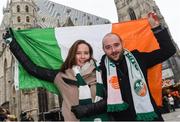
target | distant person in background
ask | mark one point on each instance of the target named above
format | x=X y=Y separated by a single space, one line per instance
x=175 y=95
x=6 y=116
x=171 y=102
x=3 y=115
x=166 y=106
x=23 y=116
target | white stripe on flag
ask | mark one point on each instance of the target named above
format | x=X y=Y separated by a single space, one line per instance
x=66 y=36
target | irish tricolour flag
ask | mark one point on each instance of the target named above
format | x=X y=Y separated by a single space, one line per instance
x=49 y=47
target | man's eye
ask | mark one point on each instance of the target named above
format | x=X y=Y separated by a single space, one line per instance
x=107 y=47
x=116 y=44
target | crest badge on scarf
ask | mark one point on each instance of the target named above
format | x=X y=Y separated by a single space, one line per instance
x=140 y=88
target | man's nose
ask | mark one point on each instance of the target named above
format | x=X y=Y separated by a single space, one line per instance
x=113 y=49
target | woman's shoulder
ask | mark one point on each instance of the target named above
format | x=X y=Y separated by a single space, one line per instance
x=68 y=74
x=66 y=77
x=58 y=77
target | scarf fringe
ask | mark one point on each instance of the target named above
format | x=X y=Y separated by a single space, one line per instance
x=146 y=116
x=85 y=101
x=99 y=90
x=117 y=107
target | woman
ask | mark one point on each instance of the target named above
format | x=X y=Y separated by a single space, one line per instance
x=76 y=80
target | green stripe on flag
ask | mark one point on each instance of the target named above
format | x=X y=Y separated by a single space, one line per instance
x=41 y=46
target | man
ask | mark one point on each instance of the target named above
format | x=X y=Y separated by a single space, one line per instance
x=125 y=75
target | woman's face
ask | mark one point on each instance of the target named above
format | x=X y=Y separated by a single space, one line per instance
x=82 y=54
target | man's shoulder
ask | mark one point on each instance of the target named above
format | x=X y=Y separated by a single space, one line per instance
x=103 y=58
x=138 y=54
x=101 y=64
x=135 y=52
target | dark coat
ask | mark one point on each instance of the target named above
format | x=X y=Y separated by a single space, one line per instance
x=145 y=60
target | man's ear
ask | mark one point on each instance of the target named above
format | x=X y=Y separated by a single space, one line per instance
x=103 y=47
x=123 y=44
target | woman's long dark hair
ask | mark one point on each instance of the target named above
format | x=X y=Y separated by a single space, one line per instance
x=71 y=58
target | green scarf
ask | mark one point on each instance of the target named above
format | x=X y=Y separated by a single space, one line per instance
x=85 y=93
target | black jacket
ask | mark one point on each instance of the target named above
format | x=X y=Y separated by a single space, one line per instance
x=145 y=60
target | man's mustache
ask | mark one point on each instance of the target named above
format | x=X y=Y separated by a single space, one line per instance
x=114 y=53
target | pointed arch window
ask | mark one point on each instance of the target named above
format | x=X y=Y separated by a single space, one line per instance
x=132 y=14
x=18 y=8
x=19 y=19
x=27 y=19
x=27 y=8
x=43 y=100
x=5 y=83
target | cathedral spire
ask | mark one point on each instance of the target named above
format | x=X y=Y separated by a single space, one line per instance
x=7 y=4
x=10 y=1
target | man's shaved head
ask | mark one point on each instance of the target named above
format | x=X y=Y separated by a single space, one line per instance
x=112 y=46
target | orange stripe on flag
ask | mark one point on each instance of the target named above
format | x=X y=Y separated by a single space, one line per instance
x=138 y=35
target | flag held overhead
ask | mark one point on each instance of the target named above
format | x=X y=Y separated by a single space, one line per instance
x=48 y=48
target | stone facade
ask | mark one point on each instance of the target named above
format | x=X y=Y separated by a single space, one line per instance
x=23 y=14
x=136 y=9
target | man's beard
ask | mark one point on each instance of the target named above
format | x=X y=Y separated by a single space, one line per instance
x=120 y=55
x=115 y=53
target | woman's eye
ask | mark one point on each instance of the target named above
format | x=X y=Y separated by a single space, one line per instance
x=78 y=53
x=86 y=53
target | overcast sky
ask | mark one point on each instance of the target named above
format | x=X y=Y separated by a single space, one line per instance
x=106 y=9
